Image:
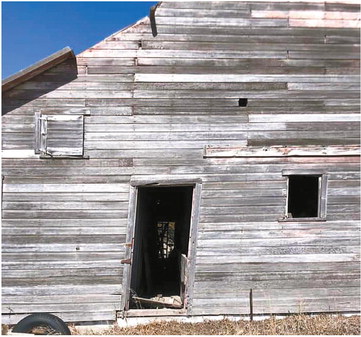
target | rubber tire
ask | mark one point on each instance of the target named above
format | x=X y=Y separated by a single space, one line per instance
x=41 y=319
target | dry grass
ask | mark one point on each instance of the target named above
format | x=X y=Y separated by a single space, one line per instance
x=291 y=325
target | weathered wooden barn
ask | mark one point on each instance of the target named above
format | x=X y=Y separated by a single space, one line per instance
x=202 y=154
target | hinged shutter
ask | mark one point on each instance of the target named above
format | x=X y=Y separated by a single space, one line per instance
x=59 y=135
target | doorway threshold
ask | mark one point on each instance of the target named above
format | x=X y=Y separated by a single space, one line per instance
x=155 y=312
x=173 y=302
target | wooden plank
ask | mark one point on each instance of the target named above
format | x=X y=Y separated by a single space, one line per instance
x=286 y=6
x=61 y=299
x=192 y=253
x=295 y=14
x=65 y=231
x=66 y=197
x=59 y=265
x=209 y=86
x=277 y=151
x=165 y=180
x=71 y=256
x=104 y=289
x=250 y=268
x=229 y=22
x=273 y=294
x=73 y=179
x=55 y=214
x=32 y=246
x=199 y=5
x=277 y=241
x=265 y=307
x=155 y=312
x=320 y=55
x=249 y=36
x=288 y=233
x=246 y=46
x=34 y=308
x=183 y=269
x=324 y=23
x=66 y=317
x=303 y=117
x=242 y=78
x=231 y=31
x=41 y=188
x=185 y=12
x=212 y=253
x=133 y=195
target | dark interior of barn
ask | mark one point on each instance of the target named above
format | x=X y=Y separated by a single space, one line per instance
x=303 y=196
x=161 y=237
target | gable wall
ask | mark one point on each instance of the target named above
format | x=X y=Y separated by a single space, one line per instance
x=155 y=102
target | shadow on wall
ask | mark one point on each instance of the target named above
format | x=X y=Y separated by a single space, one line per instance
x=39 y=85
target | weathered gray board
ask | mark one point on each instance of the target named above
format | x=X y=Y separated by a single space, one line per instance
x=155 y=103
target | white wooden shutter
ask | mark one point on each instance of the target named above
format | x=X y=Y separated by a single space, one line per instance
x=59 y=135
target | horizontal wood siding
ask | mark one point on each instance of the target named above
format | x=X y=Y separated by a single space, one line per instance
x=290 y=266
x=155 y=103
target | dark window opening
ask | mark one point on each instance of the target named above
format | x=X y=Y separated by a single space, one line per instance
x=303 y=196
x=160 y=245
x=243 y=102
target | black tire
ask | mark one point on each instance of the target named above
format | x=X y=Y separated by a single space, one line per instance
x=42 y=324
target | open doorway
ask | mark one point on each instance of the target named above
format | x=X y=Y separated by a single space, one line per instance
x=159 y=262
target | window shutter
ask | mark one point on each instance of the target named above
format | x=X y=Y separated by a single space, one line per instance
x=59 y=135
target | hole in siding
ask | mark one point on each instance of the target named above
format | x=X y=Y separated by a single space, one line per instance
x=243 y=102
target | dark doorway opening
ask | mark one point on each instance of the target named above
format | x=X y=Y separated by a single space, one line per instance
x=303 y=197
x=160 y=247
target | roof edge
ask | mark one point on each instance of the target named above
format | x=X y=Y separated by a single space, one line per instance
x=38 y=68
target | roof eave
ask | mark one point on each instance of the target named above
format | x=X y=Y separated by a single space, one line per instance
x=38 y=68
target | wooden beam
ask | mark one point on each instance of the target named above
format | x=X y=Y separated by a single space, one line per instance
x=234 y=78
x=155 y=312
x=281 y=151
x=164 y=180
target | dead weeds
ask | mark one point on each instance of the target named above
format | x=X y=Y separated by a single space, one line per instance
x=291 y=325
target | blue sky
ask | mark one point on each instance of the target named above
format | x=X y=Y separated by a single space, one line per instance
x=34 y=30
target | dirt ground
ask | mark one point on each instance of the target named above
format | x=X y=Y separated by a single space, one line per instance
x=291 y=325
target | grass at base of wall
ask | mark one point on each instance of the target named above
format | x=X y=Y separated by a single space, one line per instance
x=290 y=325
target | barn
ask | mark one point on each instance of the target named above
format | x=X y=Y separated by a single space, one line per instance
x=203 y=161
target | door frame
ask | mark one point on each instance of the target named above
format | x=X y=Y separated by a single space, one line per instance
x=164 y=181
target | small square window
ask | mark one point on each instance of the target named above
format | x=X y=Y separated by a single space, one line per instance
x=303 y=196
x=59 y=135
x=306 y=196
